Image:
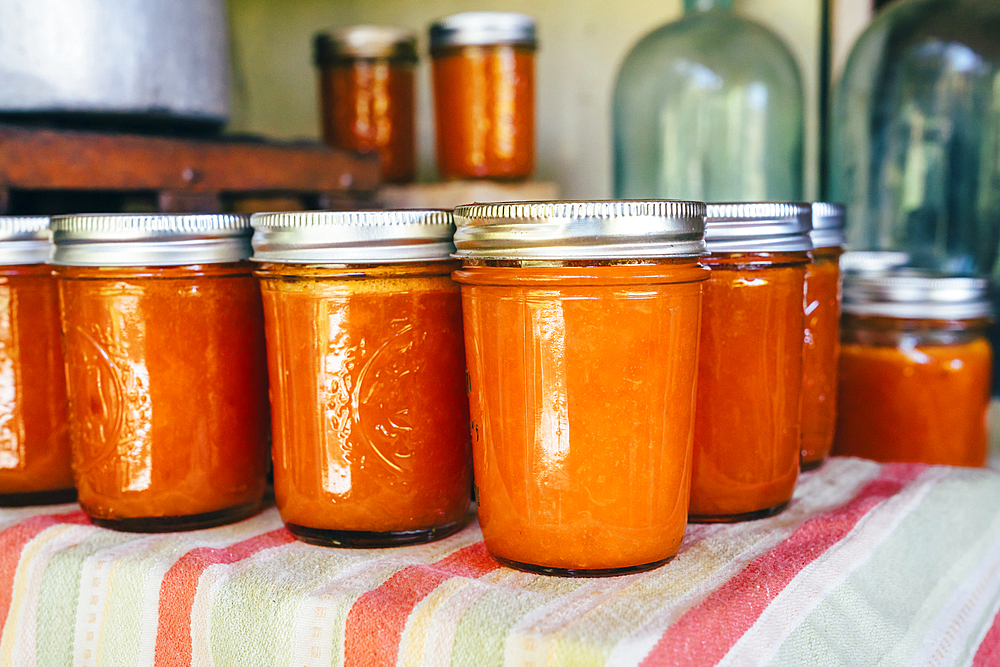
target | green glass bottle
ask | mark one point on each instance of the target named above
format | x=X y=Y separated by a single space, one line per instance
x=709 y=108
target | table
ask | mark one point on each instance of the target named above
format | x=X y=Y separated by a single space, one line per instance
x=891 y=564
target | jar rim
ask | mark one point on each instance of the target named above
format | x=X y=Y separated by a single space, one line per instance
x=758 y=227
x=917 y=296
x=340 y=45
x=149 y=239
x=588 y=229
x=483 y=29
x=345 y=237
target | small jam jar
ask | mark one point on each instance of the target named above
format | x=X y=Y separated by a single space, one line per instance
x=484 y=95
x=747 y=433
x=822 y=336
x=915 y=369
x=34 y=445
x=367 y=94
x=368 y=396
x=581 y=334
x=165 y=365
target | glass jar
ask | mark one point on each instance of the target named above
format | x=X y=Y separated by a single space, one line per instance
x=34 y=445
x=367 y=94
x=709 y=107
x=822 y=336
x=165 y=366
x=581 y=334
x=484 y=95
x=915 y=369
x=365 y=350
x=747 y=431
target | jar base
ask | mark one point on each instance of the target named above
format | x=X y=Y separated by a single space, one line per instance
x=362 y=539
x=170 y=524
x=580 y=573
x=54 y=497
x=736 y=518
x=806 y=466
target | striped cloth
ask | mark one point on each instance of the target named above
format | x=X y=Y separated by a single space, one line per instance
x=889 y=564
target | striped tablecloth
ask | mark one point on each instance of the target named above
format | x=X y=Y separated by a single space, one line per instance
x=887 y=564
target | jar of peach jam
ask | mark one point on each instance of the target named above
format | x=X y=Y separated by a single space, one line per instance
x=367 y=94
x=915 y=369
x=368 y=397
x=34 y=445
x=581 y=335
x=822 y=335
x=747 y=433
x=164 y=341
x=484 y=95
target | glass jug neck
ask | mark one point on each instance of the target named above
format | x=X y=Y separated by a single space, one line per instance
x=691 y=6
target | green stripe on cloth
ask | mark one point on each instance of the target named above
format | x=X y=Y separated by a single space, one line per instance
x=881 y=611
x=59 y=597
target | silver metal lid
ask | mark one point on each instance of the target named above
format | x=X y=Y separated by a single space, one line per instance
x=758 y=227
x=916 y=297
x=568 y=230
x=827 y=225
x=872 y=261
x=364 y=41
x=353 y=237
x=149 y=239
x=24 y=239
x=483 y=28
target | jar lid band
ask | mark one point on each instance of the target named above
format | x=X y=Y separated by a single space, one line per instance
x=364 y=42
x=483 y=29
x=353 y=237
x=872 y=261
x=827 y=225
x=758 y=227
x=150 y=239
x=571 y=230
x=24 y=239
x=913 y=296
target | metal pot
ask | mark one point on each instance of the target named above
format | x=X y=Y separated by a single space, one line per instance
x=164 y=59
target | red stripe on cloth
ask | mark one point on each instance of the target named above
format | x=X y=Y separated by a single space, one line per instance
x=12 y=543
x=180 y=583
x=709 y=630
x=988 y=653
x=377 y=619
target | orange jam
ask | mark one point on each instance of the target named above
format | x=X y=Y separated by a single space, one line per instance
x=34 y=445
x=370 y=415
x=484 y=96
x=167 y=393
x=747 y=433
x=582 y=404
x=819 y=356
x=914 y=390
x=367 y=95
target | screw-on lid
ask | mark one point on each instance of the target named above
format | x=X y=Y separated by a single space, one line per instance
x=24 y=239
x=364 y=41
x=482 y=29
x=153 y=239
x=758 y=227
x=352 y=237
x=916 y=296
x=827 y=225
x=568 y=230
x=872 y=261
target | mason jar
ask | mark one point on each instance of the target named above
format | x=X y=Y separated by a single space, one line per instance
x=35 y=453
x=581 y=339
x=167 y=384
x=367 y=365
x=915 y=369
x=747 y=433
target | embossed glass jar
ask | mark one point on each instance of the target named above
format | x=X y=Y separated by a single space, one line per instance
x=367 y=365
x=34 y=445
x=167 y=383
